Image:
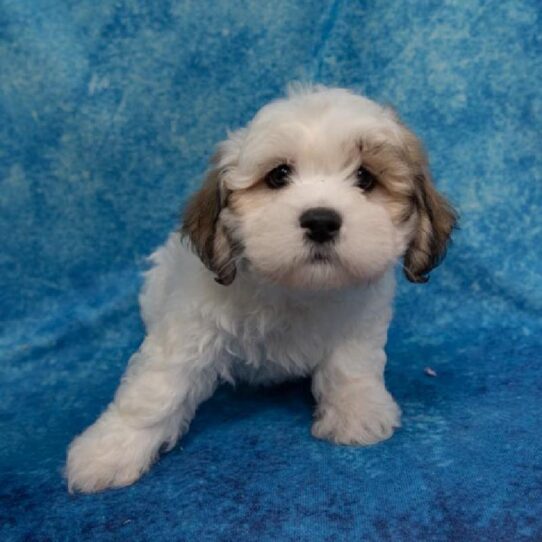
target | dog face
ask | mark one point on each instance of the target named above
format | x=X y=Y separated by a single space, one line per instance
x=323 y=189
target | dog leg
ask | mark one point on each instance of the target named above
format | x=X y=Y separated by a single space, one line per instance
x=354 y=406
x=153 y=406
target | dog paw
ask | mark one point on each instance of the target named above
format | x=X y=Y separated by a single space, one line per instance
x=363 y=418
x=109 y=454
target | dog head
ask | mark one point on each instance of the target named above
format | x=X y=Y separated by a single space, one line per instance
x=322 y=189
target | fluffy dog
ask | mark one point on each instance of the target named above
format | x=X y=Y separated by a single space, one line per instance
x=296 y=231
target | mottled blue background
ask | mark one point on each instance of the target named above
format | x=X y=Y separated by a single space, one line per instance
x=108 y=114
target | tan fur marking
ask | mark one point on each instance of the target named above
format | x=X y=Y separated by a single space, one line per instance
x=202 y=226
x=436 y=217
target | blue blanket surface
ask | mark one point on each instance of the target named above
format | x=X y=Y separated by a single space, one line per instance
x=108 y=113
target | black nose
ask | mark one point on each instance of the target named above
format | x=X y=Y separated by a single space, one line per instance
x=322 y=224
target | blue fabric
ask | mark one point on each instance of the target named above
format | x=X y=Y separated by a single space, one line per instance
x=108 y=113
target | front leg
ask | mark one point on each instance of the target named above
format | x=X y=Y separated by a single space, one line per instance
x=157 y=398
x=353 y=405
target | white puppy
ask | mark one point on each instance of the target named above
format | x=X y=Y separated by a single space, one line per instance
x=297 y=227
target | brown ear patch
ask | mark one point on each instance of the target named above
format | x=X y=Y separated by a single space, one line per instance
x=436 y=220
x=223 y=262
x=436 y=217
x=201 y=225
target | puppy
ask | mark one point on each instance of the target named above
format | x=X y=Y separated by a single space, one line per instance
x=294 y=236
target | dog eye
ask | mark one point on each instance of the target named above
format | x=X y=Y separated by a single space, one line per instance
x=365 y=179
x=278 y=177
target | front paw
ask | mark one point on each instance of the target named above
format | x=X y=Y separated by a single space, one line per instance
x=109 y=454
x=358 y=415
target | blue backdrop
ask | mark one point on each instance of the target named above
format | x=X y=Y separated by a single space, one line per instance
x=108 y=113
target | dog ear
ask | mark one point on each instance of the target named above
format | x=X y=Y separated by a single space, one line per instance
x=202 y=226
x=436 y=218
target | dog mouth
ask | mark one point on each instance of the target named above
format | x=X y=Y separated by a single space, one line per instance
x=321 y=257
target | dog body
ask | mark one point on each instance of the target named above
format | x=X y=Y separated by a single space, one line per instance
x=295 y=234
x=258 y=332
